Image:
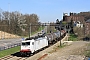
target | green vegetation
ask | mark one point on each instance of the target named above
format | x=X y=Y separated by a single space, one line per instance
x=9 y=51
x=41 y=28
x=73 y=37
x=87 y=52
x=61 y=46
x=64 y=22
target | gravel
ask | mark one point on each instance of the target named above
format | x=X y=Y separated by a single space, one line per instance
x=71 y=52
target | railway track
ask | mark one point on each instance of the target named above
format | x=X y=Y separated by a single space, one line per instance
x=16 y=57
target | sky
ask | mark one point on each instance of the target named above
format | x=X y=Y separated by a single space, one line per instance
x=47 y=10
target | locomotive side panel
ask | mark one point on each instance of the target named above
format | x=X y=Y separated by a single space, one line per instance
x=41 y=43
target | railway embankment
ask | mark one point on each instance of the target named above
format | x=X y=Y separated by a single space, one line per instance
x=74 y=50
x=5 y=35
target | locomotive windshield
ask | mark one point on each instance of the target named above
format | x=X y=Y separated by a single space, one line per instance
x=25 y=43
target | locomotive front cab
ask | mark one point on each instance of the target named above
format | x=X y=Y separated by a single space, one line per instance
x=26 y=47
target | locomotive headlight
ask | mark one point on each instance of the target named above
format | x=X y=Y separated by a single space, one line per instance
x=25 y=50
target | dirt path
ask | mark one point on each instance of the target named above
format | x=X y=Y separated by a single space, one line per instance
x=71 y=52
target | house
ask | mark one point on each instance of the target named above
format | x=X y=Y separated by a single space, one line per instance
x=78 y=24
x=87 y=27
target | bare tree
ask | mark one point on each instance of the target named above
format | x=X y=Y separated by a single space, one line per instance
x=79 y=31
x=17 y=23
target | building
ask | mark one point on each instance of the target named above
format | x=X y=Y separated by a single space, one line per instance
x=87 y=27
x=78 y=22
x=77 y=19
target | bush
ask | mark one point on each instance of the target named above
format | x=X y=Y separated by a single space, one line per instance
x=73 y=37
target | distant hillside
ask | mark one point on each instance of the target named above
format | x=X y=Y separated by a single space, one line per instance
x=5 y=35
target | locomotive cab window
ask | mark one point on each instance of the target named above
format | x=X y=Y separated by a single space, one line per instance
x=32 y=43
x=23 y=43
x=26 y=43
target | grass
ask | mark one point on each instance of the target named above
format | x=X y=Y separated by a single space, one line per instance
x=37 y=30
x=87 y=52
x=62 y=46
x=73 y=37
x=9 y=51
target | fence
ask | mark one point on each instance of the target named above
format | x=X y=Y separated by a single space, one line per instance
x=9 y=46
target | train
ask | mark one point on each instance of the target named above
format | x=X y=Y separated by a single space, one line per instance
x=31 y=45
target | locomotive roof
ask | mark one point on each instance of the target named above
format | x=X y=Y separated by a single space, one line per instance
x=36 y=37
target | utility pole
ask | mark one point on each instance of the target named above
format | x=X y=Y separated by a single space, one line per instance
x=30 y=30
x=9 y=12
x=0 y=14
x=46 y=28
x=9 y=17
x=41 y=28
x=60 y=35
x=60 y=31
